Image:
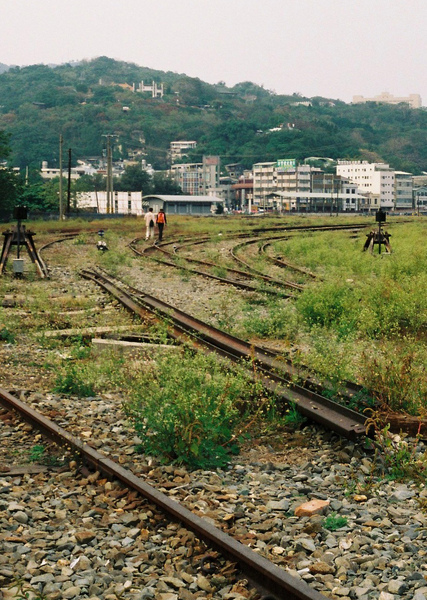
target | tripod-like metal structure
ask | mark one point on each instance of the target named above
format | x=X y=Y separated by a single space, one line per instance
x=20 y=236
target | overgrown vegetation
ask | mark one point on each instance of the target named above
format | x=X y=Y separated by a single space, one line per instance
x=395 y=457
x=7 y=336
x=366 y=320
x=73 y=380
x=189 y=409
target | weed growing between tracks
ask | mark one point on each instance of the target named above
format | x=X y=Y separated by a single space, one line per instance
x=193 y=409
x=7 y=336
x=22 y=590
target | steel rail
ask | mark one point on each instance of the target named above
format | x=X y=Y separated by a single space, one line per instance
x=291 y=284
x=280 y=262
x=277 y=374
x=263 y=573
x=239 y=284
x=66 y=237
x=293 y=228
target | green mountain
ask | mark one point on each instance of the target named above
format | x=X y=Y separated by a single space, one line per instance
x=87 y=100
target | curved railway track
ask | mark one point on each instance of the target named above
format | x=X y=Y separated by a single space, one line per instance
x=280 y=262
x=256 y=272
x=238 y=278
x=276 y=374
x=243 y=279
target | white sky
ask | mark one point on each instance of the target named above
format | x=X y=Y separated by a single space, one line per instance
x=332 y=48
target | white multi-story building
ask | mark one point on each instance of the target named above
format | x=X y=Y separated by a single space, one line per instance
x=50 y=173
x=376 y=180
x=281 y=176
x=413 y=100
x=124 y=203
x=156 y=89
x=264 y=182
x=177 y=149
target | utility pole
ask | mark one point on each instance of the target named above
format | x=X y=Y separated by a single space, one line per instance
x=109 y=173
x=69 y=183
x=61 y=208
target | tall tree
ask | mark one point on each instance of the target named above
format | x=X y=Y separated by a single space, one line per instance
x=9 y=181
x=134 y=179
x=163 y=184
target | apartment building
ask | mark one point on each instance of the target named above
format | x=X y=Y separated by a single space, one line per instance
x=177 y=149
x=198 y=178
x=293 y=178
x=189 y=177
x=413 y=100
x=375 y=180
x=264 y=183
x=282 y=175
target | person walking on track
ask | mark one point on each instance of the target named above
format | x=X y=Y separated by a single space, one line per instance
x=161 y=222
x=149 y=224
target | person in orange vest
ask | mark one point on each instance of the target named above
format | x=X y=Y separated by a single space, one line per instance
x=161 y=222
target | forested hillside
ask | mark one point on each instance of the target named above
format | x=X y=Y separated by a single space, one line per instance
x=85 y=101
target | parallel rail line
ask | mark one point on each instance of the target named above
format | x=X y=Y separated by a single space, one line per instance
x=276 y=374
x=239 y=283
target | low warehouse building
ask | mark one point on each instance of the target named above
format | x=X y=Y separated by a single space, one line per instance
x=183 y=205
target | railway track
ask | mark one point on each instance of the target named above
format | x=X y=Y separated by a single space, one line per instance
x=238 y=278
x=243 y=279
x=234 y=253
x=272 y=582
x=281 y=262
x=276 y=373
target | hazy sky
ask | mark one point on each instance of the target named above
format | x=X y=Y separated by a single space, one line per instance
x=332 y=48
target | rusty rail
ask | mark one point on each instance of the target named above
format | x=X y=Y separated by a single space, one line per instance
x=275 y=373
x=264 y=574
x=238 y=273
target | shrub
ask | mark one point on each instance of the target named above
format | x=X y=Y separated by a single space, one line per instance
x=395 y=457
x=396 y=380
x=188 y=407
x=7 y=336
x=74 y=382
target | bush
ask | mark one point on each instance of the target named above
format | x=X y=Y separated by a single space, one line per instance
x=7 y=336
x=187 y=409
x=396 y=381
x=74 y=382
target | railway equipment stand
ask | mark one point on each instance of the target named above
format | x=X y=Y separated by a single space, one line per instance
x=19 y=236
x=379 y=237
x=101 y=245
